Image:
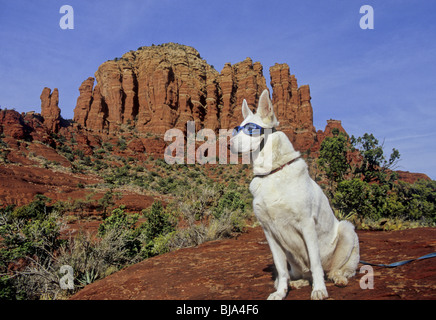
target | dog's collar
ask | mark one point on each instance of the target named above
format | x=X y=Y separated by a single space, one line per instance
x=277 y=169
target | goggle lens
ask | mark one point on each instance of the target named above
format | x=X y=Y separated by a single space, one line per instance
x=249 y=129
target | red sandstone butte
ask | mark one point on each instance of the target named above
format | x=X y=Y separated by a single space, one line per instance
x=157 y=88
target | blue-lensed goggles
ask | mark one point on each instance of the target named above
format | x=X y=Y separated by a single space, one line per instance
x=250 y=129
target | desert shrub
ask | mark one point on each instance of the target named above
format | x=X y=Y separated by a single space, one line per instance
x=230 y=200
x=145 y=240
x=122 y=144
x=159 y=221
x=29 y=230
x=120 y=176
x=374 y=165
x=118 y=220
x=157 y=229
x=333 y=156
x=29 y=240
x=209 y=213
x=416 y=201
x=95 y=258
x=404 y=201
x=162 y=243
x=99 y=153
x=359 y=197
x=108 y=146
x=36 y=209
x=168 y=185
x=8 y=290
x=107 y=201
x=120 y=225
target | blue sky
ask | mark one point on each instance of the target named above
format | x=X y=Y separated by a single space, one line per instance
x=380 y=81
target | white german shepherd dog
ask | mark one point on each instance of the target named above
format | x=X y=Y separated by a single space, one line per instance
x=304 y=236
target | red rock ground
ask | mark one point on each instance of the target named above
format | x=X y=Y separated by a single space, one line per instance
x=242 y=268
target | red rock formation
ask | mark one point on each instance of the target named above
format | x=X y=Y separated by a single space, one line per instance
x=136 y=145
x=50 y=110
x=154 y=89
x=411 y=177
x=213 y=97
x=109 y=77
x=243 y=80
x=11 y=124
x=95 y=119
x=157 y=88
x=130 y=87
x=331 y=125
x=293 y=107
x=161 y=87
x=84 y=101
x=328 y=132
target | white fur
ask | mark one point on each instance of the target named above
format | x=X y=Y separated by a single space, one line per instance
x=304 y=236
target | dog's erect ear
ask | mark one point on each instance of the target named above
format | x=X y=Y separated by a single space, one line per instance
x=246 y=110
x=265 y=109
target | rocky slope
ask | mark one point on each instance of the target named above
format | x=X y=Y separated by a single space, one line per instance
x=243 y=269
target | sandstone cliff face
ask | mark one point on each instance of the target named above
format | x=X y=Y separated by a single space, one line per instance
x=243 y=80
x=84 y=101
x=293 y=107
x=154 y=89
x=161 y=87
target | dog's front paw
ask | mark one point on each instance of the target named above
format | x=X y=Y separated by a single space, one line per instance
x=340 y=281
x=319 y=294
x=276 y=296
x=298 y=284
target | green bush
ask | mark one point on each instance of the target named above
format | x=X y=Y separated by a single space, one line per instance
x=123 y=226
x=118 y=220
x=145 y=240
x=159 y=222
x=29 y=238
x=359 y=197
x=157 y=230
x=375 y=201
x=417 y=200
x=333 y=156
x=230 y=200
